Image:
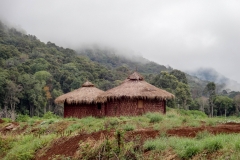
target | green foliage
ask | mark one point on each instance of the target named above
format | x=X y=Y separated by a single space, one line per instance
x=74 y=127
x=179 y=75
x=49 y=115
x=25 y=147
x=213 y=145
x=237 y=146
x=129 y=127
x=194 y=113
x=224 y=105
x=5 y=145
x=202 y=135
x=22 y=118
x=156 y=144
x=154 y=117
x=8 y=120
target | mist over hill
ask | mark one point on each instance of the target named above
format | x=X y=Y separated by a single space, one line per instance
x=113 y=58
x=210 y=74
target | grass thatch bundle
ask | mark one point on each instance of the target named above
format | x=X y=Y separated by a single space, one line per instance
x=134 y=87
x=86 y=94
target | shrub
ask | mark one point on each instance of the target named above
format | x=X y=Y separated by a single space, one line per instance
x=202 y=135
x=74 y=127
x=237 y=146
x=194 y=113
x=8 y=120
x=155 y=144
x=22 y=118
x=154 y=117
x=212 y=145
x=129 y=127
x=49 y=115
x=25 y=147
x=185 y=147
x=189 y=151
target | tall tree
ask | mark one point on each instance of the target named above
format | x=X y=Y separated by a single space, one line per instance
x=183 y=95
x=223 y=104
x=12 y=94
x=236 y=100
x=181 y=77
x=211 y=91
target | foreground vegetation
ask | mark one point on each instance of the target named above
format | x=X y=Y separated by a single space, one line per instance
x=33 y=134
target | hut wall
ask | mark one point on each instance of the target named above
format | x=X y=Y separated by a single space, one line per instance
x=127 y=107
x=83 y=110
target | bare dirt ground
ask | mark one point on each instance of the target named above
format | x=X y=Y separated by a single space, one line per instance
x=68 y=146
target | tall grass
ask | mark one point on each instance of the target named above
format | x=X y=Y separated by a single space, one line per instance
x=24 y=148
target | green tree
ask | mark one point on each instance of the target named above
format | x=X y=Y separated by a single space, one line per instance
x=12 y=94
x=181 y=77
x=166 y=81
x=183 y=95
x=33 y=93
x=236 y=101
x=223 y=104
x=210 y=89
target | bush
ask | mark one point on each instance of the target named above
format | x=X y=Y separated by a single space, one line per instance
x=49 y=115
x=213 y=145
x=185 y=148
x=154 y=117
x=194 y=113
x=22 y=118
x=190 y=151
x=129 y=127
x=202 y=135
x=237 y=146
x=155 y=144
x=26 y=147
x=74 y=127
x=8 y=120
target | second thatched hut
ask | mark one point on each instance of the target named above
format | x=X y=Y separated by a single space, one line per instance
x=134 y=97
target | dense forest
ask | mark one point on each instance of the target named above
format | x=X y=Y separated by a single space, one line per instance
x=33 y=74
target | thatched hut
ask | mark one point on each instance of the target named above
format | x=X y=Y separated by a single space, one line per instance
x=82 y=102
x=134 y=97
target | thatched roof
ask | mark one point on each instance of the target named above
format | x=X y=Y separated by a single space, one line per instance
x=134 y=87
x=86 y=94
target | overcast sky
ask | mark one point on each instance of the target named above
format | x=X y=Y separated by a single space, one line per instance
x=185 y=34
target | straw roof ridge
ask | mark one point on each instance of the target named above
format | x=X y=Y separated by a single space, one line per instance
x=87 y=84
x=135 y=76
x=86 y=94
x=135 y=87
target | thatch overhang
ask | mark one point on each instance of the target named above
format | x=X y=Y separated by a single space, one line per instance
x=134 y=87
x=87 y=94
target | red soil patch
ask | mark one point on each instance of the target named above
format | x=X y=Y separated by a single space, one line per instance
x=141 y=134
x=68 y=146
x=192 y=131
x=1 y=121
